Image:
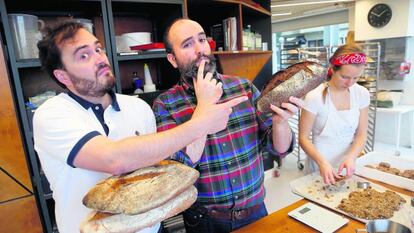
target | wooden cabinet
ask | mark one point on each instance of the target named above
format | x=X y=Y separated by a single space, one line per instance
x=255 y=65
x=111 y=19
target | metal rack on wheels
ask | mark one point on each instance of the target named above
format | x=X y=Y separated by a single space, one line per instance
x=370 y=81
x=289 y=57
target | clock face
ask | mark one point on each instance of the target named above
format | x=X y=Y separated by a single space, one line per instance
x=379 y=15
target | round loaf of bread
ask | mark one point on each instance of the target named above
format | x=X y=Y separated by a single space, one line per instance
x=296 y=80
x=141 y=190
x=100 y=222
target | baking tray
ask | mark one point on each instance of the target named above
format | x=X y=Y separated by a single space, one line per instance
x=374 y=158
x=312 y=188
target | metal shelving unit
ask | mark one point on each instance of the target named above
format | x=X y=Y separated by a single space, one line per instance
x=290 y=57
x=370 y=81
x=317 y=54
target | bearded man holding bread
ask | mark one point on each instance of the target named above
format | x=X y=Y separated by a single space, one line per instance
x=230 y=186
x=90 y=133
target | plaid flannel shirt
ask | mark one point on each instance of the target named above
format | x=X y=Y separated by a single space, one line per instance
x=231 y=167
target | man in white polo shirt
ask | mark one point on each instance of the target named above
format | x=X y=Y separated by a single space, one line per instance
x=89 y=133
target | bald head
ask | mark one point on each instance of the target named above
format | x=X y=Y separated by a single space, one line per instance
x=178 y=27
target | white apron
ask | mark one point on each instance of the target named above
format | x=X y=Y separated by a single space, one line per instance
x=337 y=135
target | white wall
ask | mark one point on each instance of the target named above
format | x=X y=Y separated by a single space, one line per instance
x=399 y=25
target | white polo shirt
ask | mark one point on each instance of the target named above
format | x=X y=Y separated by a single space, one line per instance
x=61 y=126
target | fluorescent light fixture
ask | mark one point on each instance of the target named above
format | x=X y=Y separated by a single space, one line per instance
x=324 y=10
x=282 y=13
x=310 y=3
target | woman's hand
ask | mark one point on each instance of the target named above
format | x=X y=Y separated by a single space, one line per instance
x=327 y=172
x=349 y=165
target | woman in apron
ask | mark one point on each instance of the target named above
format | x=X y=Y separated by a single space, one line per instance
x=336 y=113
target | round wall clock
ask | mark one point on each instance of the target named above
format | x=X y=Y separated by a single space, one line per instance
x=379 y=15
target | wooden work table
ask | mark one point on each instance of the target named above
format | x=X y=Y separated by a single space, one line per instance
x=279 y=221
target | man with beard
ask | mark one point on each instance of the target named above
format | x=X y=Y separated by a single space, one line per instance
x=230 y=187
x=89 y=133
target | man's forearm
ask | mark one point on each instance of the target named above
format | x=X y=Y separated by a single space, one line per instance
x=196 y=148
x=117 y=157
x=282 y=137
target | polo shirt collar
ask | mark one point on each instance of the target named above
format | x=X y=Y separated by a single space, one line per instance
x=86 y=104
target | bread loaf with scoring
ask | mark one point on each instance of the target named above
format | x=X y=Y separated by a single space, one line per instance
x=100 y=222
x=296 y=80
x=141 y=190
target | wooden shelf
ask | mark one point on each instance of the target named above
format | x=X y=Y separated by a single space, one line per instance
x=247 y=65
x=141 y=56
x=248 y=5
x=241 y=52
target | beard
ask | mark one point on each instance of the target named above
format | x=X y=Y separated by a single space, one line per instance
x=189 y=71
x=93 y=88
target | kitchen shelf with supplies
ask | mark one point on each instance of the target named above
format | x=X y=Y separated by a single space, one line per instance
x=133 y=56
x=236 y=60
x=133 y=23
x=28 y=80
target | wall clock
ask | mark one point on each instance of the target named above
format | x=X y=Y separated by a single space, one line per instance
x=379 y=15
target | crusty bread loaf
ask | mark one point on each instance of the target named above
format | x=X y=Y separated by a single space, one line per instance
x=99 y=222
x=296 y=80
x=141 y=190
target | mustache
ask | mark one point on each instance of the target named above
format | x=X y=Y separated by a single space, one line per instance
x=191 y=70
x=102 y=66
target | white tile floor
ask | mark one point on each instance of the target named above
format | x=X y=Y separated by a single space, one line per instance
x=278 y=194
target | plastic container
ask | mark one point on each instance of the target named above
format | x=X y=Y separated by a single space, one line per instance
x=25 y=30
x=149 y=86
x=138 y=83
x=136 y=38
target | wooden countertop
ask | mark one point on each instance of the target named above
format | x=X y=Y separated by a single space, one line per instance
x=279 y=221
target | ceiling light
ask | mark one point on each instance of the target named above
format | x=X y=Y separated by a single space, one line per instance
x=325 y=10
x=310 y=3
x=281 y=13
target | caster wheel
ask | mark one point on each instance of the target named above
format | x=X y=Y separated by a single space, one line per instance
x=300 y=166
